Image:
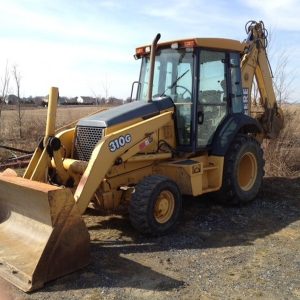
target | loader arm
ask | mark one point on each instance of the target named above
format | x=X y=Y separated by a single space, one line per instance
x=255 y=65
x=37 y=168
x=110 y=149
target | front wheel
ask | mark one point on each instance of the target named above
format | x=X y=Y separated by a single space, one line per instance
x=243 y=171
x=156 y=205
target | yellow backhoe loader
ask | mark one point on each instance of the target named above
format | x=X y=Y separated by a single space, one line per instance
x=192 y=129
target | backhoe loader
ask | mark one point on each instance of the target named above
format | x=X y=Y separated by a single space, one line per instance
x=193 y=129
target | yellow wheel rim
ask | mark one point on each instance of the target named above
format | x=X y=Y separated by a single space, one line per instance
x=164 y=207
x=247 y=171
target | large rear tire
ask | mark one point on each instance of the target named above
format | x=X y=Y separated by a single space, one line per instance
x=243 y=171
x=156 y=205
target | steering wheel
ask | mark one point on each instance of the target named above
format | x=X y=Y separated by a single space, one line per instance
x=186 y=90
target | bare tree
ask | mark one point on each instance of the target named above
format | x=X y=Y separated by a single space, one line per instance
x=17 y=79
x=280 y=153
x=97 y=97
x=283 y=80
x=105 y=86
x=4 y=87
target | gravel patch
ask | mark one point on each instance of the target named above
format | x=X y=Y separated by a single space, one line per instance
x=247 y=252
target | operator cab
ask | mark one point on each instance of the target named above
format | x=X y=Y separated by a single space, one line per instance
x=203 y=81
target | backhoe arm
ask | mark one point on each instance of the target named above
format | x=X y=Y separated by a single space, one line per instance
x=255 y=65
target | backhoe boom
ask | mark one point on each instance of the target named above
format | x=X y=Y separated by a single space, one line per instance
x=255 y=66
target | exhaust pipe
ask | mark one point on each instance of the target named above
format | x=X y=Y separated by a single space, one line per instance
x=152 y=64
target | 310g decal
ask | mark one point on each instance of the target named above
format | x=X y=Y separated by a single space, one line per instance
x=120 y=142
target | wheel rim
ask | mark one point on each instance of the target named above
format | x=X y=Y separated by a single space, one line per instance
x=247 y=171
x=164 y=207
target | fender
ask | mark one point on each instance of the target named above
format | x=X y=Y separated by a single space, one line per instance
x=227 y=130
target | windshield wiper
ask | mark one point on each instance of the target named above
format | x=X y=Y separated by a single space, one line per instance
x=174 y=83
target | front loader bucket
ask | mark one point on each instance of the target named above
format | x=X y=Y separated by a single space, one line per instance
x=42 y=235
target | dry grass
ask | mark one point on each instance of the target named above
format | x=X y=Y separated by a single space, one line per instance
x=283 y=154
x=33 y=125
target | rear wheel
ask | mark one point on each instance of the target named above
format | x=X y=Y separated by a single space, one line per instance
x=243 y=171
x=156 y=205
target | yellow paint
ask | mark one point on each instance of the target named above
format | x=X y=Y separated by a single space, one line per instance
x=102 y=158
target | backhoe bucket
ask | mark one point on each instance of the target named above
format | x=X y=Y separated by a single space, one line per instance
x=42 y=235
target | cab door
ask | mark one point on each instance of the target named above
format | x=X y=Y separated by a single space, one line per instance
x=212 y=95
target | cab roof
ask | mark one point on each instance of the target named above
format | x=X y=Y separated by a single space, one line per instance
x=219 y=43
x=213 y=43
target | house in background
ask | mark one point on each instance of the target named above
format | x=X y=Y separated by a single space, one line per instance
x=86 y=100
x=61 y=101
x=11 y=99
x=37 y=100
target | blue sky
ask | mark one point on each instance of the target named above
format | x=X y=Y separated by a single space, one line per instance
x=86 y=46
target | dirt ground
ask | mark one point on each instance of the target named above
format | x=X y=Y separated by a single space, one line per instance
x=249 y=252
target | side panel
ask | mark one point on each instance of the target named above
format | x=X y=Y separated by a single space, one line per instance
x=194 y=176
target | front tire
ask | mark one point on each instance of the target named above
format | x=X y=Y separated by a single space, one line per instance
x=156 y=205
x=243 y=171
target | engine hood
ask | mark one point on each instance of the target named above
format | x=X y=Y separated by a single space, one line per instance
x=127 y=112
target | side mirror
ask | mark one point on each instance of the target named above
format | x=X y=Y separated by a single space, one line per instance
x=132 y=90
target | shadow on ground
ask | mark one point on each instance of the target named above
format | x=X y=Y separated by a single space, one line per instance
x=205 y=225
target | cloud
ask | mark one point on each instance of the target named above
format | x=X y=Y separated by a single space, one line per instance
x=43 y=23
x=195 y=18
x=72 y=68
x=110 y=4
x=70 y=52
x=74 y=43
x=170 y=10
x=282 y=14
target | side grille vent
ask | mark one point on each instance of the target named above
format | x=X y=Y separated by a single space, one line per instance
x=86 y=139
